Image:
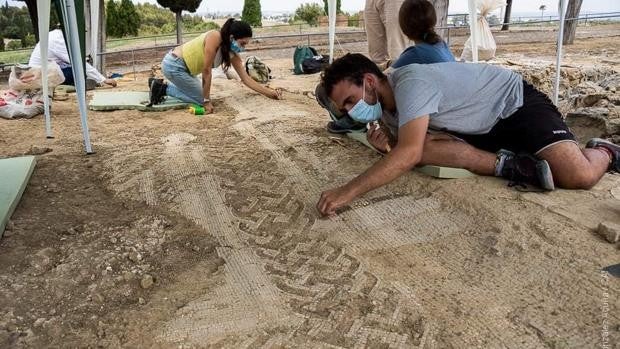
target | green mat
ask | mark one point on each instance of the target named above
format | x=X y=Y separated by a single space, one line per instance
x=65 y=88
x=430 y=170
x=137 y=100
x=14 y=175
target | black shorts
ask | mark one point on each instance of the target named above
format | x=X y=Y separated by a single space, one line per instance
x=535 y=126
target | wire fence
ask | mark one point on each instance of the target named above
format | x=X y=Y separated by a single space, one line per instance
x=150 y=49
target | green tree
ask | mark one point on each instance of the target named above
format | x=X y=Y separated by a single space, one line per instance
x=178 y=6
x=252 y=13
x=14 y=45
x=326 y=7
x=1 y=43
x=308 y=13
x=129 y=17
x=31 y=5
x=196 y=24
x=28 y=40
x=111 y=17
x=354 y=20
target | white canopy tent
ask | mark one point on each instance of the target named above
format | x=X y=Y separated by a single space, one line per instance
x=69 y=18
x=473 y=23
x=562 y=4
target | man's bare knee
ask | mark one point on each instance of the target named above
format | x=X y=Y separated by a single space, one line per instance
x=570 y=168
x=581 y=178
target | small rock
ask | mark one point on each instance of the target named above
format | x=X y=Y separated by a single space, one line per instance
x=147 y=281
x=97 y=298
x=52 y=188
x=128 y=276
x=34 y=150
x=39 y=322
x=610 y=231
x=43 y=260
x=9 y=225
x=135 y=257
x=70 y=231
x=141 y=301
x=101 y=330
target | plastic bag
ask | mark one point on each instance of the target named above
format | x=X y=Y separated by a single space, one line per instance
x=24 y=77
x=486 y=42
x=21 y=104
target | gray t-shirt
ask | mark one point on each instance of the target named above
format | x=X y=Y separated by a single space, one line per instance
x=459 y=97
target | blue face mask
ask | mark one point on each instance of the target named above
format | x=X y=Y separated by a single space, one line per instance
x=234 y=47
x=364 y=112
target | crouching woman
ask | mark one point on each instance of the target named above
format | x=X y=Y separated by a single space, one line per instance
x=199 y=55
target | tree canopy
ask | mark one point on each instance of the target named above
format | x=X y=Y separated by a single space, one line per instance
x=15 y=24
x=252 y=13
x=178 y=6
x=309 y=13
x=122 y=20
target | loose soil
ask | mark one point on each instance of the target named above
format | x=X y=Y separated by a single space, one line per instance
x=186 y=231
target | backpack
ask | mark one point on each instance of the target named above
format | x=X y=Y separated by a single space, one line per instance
x=314 y=64
x=257 y=70
x=301 y=53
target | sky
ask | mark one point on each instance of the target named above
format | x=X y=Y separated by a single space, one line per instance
x=456 y=6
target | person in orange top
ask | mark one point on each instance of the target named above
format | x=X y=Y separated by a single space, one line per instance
x=199 y=55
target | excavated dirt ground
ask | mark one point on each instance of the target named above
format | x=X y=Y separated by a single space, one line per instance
x=185 y=231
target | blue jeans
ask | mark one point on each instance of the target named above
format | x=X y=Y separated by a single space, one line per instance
x=182 y=84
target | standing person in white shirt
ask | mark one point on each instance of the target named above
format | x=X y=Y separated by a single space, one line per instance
x=57 y=51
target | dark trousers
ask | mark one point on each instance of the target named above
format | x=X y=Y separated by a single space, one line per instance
x=68 y=73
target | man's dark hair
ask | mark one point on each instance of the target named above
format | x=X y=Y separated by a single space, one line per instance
x=417 y=19
x=351 y=67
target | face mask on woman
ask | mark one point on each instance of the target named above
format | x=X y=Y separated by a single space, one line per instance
x=364 y=112
x=235 y=47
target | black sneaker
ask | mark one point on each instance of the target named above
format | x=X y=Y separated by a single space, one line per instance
x=157 y=91
x=613 y=148
x=333 y=127
x=526 y=169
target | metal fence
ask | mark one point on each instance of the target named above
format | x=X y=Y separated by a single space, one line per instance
x=151 y=49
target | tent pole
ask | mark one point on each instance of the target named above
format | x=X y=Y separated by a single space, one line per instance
x=77 y=64
x=558 y=62
x=94 y=30
x=473 y=28
x=44 y=25
x=332 y=28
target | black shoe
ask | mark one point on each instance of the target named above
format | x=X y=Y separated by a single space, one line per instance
x=613 y=148
x=333 y=127
x=157 y=91
x=525 y=168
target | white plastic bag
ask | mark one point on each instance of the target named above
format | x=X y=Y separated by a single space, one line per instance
x=486 y=42
x=23 y=77
x=21 y=104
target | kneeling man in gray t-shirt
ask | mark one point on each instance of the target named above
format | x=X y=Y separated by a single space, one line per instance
x=492 y=123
